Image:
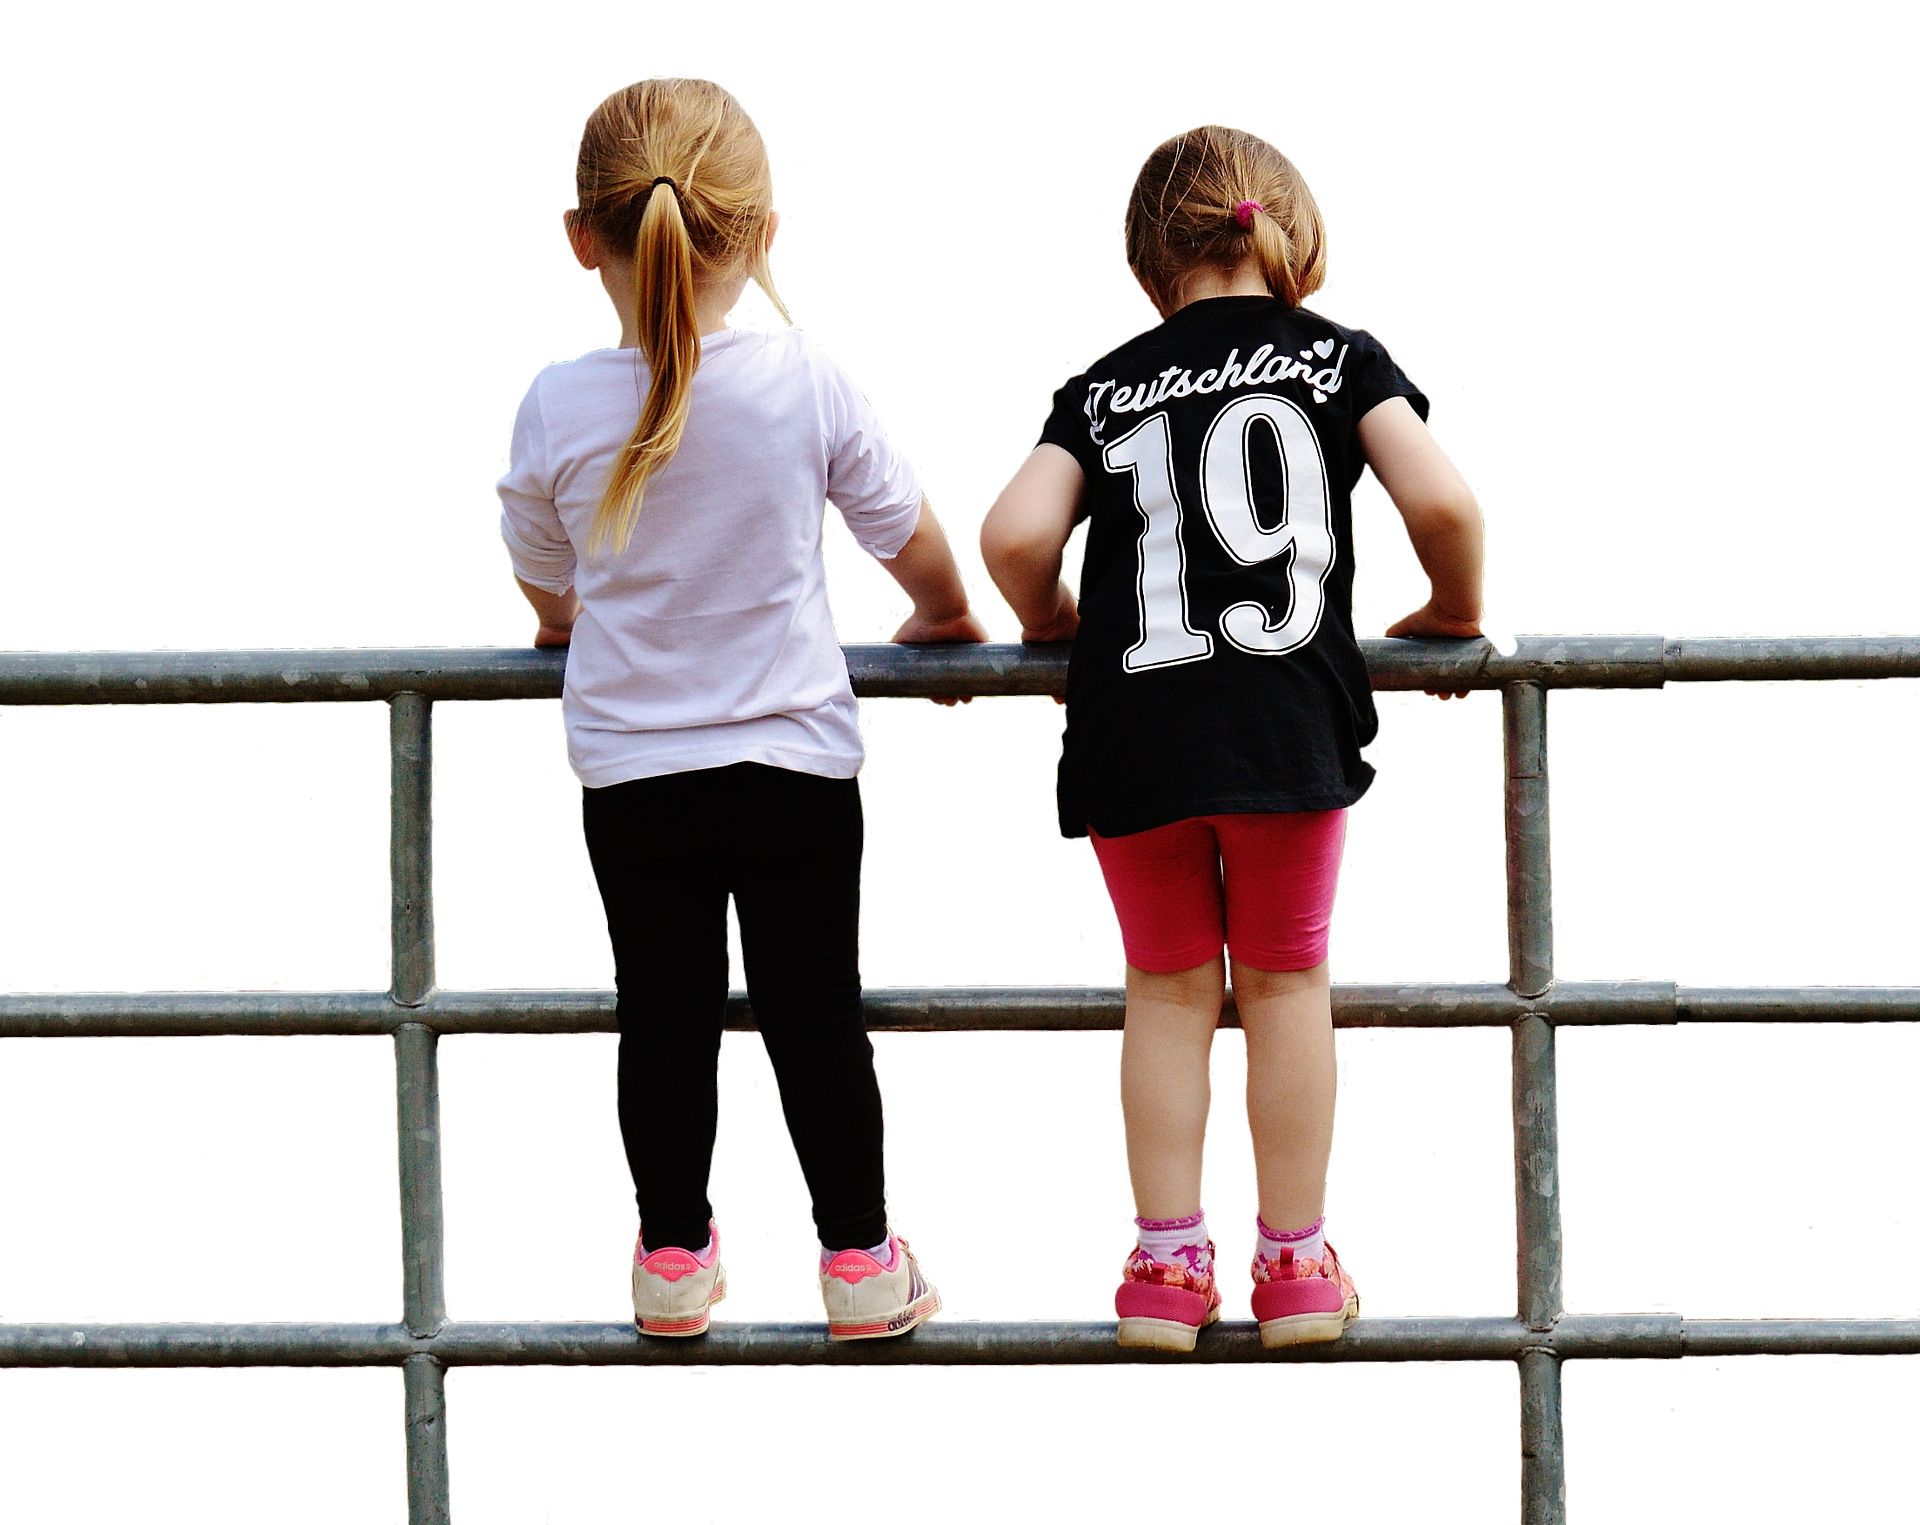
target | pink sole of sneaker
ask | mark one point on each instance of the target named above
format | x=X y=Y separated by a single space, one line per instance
x=682 y=1328
x=1303 y=1329
x=910 y=1317
x=1161 y=1333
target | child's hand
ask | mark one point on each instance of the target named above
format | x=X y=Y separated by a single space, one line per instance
x=1429 y=623
x=1064 y=626
x=555 y=611
x=960 y=629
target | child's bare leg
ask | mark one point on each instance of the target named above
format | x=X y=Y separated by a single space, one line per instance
x=1288 y=1018
x=1164 y=1089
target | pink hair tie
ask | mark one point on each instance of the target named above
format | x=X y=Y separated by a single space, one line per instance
x=1243 y=214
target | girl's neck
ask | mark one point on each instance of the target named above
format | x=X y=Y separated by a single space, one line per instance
x=712 y=300
x=1208 y=281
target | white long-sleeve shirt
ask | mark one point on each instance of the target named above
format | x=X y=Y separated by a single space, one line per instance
x=708 y=640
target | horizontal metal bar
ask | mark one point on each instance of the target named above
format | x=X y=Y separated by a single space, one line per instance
x=195 y=1014
x=278 y=677
x=947 y=1342
x=1617 y=1336
x=1829 y=1003
x=887 y=671
x=1802 y=1337
x=1719 y=660
x=1043 y=1008
x=958 y=1342
x=1665 y=1336
x=205 y=1344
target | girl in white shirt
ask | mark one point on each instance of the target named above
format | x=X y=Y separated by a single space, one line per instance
x=663 y=513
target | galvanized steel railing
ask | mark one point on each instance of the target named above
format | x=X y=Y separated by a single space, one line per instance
x=424 y=1343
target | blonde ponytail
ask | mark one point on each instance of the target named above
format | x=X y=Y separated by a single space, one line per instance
x=674 y=170
x=669 y=333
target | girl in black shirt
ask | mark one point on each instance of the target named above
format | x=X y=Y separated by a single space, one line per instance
x=1217 y=700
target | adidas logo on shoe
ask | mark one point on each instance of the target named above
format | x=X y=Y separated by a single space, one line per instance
x=671 y=1264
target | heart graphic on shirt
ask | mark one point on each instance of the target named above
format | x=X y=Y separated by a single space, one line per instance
x=1306 y=354
x=1323 y=347
x=1319 y=396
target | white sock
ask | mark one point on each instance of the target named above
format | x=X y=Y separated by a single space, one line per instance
x=1180 y=1242
x=1309 y=1243
x=882 y=1252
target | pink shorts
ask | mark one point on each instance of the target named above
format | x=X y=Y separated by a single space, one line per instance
x=1261 y=884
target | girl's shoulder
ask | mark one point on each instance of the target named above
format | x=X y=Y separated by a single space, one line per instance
x=785 y=346
x=1310 y=319
x=1360 y=338
x=782 y=357
x=799 y=358
x=1289 y=327
x=559 y=379
x=782 y=343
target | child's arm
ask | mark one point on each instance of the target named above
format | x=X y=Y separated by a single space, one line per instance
x=1024 y=536
x=1442 y=518
x=924 y=567
x=555 y=611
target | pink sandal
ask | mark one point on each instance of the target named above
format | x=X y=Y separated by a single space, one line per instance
x=1163 y=1307
x=1302 y=1302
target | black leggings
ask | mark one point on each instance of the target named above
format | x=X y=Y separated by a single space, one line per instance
x=667 y=852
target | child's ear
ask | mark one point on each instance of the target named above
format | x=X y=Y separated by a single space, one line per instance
x=1150 y=296
x=576 y=239
x=773 y=227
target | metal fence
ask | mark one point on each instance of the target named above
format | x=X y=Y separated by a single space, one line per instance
x=424 y=1343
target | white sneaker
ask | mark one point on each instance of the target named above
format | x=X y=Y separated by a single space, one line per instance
x=866 y=1301
x=674 y=1290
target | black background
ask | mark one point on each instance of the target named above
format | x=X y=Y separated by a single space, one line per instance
x=269 y=404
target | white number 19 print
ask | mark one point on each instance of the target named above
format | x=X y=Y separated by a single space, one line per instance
x=1167 y=636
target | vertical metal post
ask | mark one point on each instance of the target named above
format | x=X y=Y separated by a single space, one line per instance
x=1543 y=1463
x=1536 y=1131
x=417 y=1086
x=426 y=1442
x=1529 y=867
x=411 y=855
x=421 y=1249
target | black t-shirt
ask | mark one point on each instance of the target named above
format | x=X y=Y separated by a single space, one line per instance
x=1216 y=669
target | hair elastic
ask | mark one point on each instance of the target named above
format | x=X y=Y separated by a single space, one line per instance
x=1243 y=213
x=660 y=180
